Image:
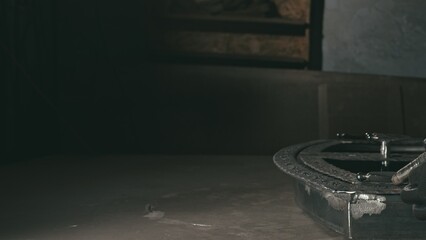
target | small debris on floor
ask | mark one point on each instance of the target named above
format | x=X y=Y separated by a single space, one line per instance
x=149 y=208
x=154 y=215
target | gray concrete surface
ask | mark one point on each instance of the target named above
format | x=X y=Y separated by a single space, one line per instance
x=151 y=197
x=375 y=36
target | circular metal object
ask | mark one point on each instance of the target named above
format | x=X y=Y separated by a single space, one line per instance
x=344 y=185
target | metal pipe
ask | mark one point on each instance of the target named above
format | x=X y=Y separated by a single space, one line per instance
x=404 y=172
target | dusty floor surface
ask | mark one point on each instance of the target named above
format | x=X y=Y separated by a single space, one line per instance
x=151 y=197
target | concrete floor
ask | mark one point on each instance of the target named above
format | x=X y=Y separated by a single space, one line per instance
x=151 y=197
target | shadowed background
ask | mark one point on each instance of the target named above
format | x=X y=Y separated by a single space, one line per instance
x=81 y=77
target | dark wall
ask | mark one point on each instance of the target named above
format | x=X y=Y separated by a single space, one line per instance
x=205 y=109
x=60 y=54
x=79 y=79
x=28 y=58
x=194 y=109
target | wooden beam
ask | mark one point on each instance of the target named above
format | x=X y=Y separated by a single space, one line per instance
x=316 y=35
x=231 y=60
x=275 y=26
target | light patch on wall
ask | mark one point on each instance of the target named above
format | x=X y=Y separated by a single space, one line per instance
x=376 y=37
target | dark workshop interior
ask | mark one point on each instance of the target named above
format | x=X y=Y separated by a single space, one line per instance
x=159 y=119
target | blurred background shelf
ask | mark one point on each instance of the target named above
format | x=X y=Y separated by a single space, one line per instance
x=235 y=24
x=268 y=34
x=231 y=60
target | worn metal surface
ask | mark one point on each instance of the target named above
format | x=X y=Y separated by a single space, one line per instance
x=335 y=196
